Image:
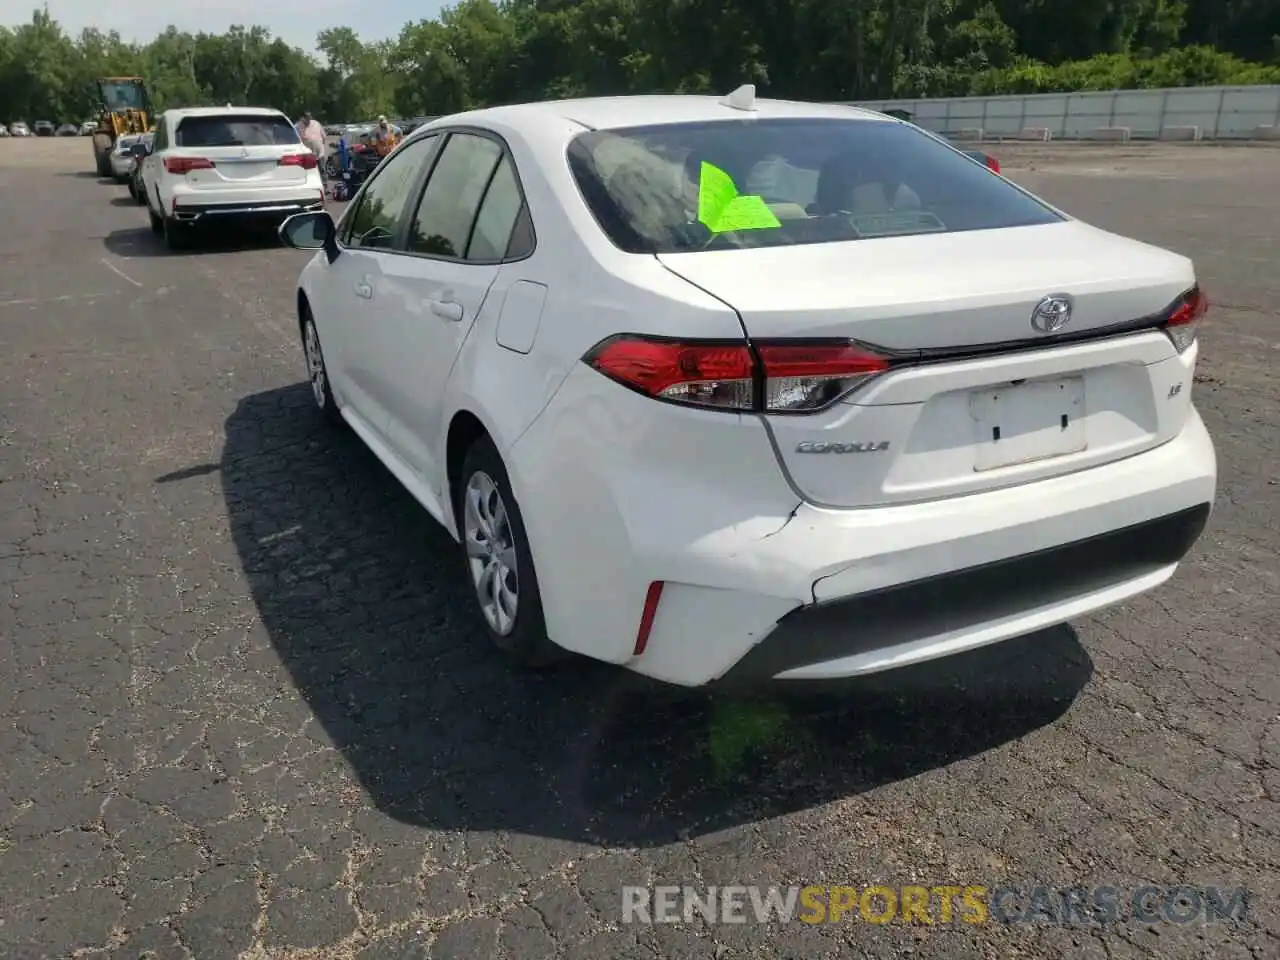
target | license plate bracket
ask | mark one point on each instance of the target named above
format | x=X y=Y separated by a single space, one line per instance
x=1028 y=421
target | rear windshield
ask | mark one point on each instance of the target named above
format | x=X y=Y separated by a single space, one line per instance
x=779 y=182
x=231 y=130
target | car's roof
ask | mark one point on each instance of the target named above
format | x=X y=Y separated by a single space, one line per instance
x=223 y=111
x=605 y=113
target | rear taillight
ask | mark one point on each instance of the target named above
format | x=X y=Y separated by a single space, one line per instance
x=801 y=377
x=772 y=376
x=992 y=164
x=307 y=161
x=186 y=164
x=714 y=374
x=1182 y=322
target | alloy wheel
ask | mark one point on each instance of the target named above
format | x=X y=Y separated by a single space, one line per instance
x=315 y=364
x=491 y=552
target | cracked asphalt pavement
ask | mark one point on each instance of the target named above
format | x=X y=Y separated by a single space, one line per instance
x=245 y=711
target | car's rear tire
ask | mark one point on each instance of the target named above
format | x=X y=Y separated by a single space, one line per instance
x=499 y=565
x=318 y=372
x=177 y=236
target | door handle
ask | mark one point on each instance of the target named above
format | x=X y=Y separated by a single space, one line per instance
x=364 y=290
x=449 y=309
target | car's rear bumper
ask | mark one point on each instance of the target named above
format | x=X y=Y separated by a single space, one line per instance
x=948 y=613
x=758 y=586
x=258 y=211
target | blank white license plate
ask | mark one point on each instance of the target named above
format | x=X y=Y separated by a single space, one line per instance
x=1025 y=422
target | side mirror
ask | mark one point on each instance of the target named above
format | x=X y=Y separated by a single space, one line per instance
x=313 y=230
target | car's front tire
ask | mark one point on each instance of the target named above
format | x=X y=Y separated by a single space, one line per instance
x=318 y=373
x=499 y=565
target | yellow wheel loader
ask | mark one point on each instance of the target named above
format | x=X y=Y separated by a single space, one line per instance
x=124 y=108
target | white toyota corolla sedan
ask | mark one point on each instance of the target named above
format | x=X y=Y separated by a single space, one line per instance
x=739 y=389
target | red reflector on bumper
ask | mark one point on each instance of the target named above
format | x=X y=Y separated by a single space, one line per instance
x=651 y=599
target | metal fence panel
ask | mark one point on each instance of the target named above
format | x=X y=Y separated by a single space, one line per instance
x=1217 y=113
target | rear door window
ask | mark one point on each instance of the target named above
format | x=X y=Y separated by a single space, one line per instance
x=234 y=130
x=447 y=213
x=499 y=211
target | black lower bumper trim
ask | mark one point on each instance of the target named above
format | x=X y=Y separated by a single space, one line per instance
x=923 y=608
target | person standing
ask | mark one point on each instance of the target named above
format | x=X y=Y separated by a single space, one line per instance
x=313 y=138
x=385 y=137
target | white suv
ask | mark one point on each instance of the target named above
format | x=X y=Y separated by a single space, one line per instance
x=215 y=164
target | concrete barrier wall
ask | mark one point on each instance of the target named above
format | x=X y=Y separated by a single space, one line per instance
x=1215 y=113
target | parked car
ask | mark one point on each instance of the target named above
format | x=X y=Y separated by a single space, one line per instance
x=4 y=131
x=139 y=153
x=122 y=158
x=807 y=397
x=88 y=128
x=68 y=130
x=226 y=165
x=19 y=129
x=986 y=159
x=44 y=128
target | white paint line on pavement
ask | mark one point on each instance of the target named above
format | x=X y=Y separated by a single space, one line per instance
x=118 y=272
x=66 y=298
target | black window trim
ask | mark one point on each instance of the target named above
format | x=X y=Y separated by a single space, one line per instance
x=505 y=154
x=353 y=210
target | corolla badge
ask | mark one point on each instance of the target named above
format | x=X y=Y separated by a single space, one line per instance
x=833 y=446
x=1052 y=313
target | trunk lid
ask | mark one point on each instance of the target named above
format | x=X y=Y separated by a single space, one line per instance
x=942 y=290
x=953 y=426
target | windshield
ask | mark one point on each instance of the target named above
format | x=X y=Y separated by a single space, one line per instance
x=780 y=182
x=232 y=130
x=122 y=95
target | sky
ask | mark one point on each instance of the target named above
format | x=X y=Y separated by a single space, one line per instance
x=295 y=21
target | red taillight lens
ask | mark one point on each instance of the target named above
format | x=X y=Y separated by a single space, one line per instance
x=789 y=376
x=186 y=164
x=1183 y=320
x=307 y=161
x=804 y=377
x=993 y=164
x=708 y=374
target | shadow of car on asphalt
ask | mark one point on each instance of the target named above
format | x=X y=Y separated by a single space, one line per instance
x=141 y=242
x=364 y=599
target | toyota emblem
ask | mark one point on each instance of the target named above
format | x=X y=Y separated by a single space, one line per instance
x=1052 y=313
